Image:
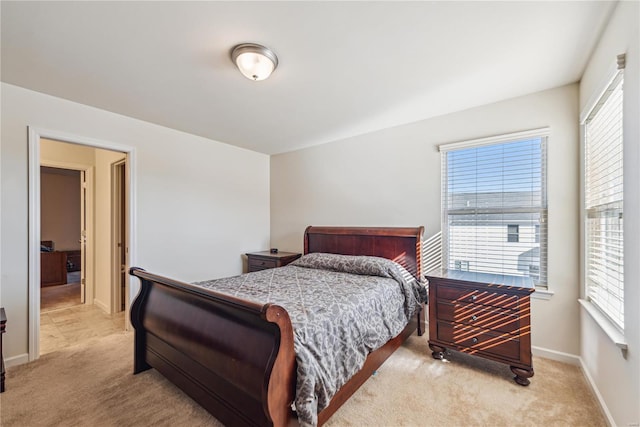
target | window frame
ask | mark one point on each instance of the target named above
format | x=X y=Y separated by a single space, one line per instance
x=513 y=234
x=612 y=328
x=542 y=133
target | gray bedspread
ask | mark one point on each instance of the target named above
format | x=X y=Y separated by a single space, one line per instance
x=341 y=308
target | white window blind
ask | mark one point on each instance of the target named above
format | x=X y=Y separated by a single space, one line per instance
x=603 y=194
x=495 y=205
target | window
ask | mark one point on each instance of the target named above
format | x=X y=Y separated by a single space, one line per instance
x=462 y=265
x=513 y=233
x=490 y=186
x=603 y=208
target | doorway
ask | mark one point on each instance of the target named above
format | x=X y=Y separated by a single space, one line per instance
x=62 y=215
x=95 y=313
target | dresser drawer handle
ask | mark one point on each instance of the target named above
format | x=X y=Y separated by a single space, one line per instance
x=474 y=318
x=262 y=263
x=474 y=340
x=473 y=297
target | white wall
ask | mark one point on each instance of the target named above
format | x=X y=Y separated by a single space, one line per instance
x=392 y=178
x=200 y=203
x=617 y=378
x=60 y=207
x=103 y=228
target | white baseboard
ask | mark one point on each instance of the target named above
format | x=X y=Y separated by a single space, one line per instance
x=605 y=410
x=104 y=307
x=559 y=356
x=577 y=361
x=16 y=360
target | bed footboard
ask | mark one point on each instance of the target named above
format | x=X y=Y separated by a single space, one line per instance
x=234 y=357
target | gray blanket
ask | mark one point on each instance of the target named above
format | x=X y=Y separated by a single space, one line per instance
x=341 y=308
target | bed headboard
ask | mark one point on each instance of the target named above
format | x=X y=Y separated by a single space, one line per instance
x=401 y=244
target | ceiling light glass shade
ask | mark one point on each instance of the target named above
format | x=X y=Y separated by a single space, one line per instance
x=254 y=61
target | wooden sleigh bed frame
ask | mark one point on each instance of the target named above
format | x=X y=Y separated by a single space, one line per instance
x=235 y=357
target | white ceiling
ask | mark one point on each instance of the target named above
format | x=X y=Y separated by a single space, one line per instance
x=346 y=68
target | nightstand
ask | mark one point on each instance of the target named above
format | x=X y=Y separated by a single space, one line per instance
x=263 y=260
x=487 y=315
x=3 y=321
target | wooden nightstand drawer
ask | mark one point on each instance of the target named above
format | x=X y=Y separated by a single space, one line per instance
x=487 y=315
x=472 y=340
x=479 y=316
x=478 y=296
x=3 y=321
x=261 y=264
x=257 y=261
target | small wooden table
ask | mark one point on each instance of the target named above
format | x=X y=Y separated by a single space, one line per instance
x=3 y=322
x=487 y=315
x=266 y=259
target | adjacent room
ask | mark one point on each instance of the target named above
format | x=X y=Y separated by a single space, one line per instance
x=320 y=213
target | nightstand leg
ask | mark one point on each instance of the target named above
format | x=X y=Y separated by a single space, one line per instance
x=437 y=351
x=522 y=375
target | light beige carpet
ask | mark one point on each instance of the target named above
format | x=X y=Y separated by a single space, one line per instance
x=92 y=385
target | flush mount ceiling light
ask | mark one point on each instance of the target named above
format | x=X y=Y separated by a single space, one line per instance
x=254 y=61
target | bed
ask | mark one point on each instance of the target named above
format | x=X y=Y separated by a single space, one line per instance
x=236 y=357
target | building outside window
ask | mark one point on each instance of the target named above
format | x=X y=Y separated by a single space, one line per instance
x=489 y=186
x=462 y=265
x=513 y=233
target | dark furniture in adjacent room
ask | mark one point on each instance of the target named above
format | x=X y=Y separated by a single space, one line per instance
x=53 y=268
x=263 y=260
x=487 y=315
x=54 y=265
x=73 y=260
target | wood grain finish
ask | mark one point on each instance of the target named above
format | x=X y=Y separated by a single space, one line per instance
x=236 y=357
x=257 y=261
x=484 y=315
x=3 y=323
x=74 y=260
x=398 y=244
x=53 y=268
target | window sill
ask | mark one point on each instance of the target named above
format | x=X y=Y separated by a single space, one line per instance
x=612 y=332
x=542 y=293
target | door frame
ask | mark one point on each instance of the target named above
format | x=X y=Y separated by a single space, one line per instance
x=34 y=136
x=118 y=230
